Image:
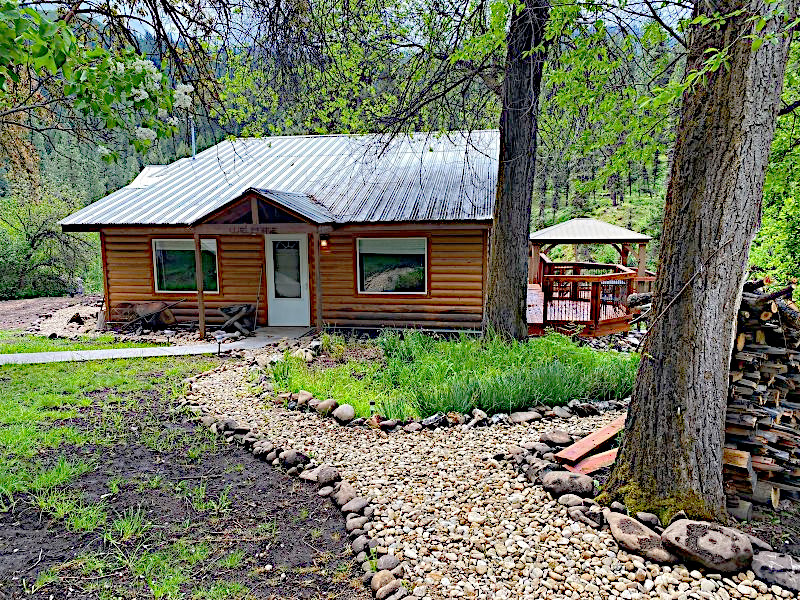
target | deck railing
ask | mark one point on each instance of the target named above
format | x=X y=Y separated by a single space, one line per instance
x=585 y=293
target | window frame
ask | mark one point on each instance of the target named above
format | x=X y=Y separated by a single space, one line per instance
x=426 y=262
x=189 y=241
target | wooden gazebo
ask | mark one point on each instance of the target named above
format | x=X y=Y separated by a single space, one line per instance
x=590 y=297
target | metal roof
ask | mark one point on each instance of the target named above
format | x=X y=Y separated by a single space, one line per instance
x=302 y=204
x=343 y=178
x=586 y=231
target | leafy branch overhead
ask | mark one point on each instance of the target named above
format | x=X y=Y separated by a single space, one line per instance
x=53 y=80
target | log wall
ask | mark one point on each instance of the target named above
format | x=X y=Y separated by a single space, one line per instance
x=456 y=272
x=128 y=265
x=456 y=263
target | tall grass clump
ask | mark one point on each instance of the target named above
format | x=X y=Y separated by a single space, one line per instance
x=423 y=374
x=499 y=376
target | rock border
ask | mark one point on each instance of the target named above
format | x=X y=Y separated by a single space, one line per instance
x=739 y=556
x=383 y=572
x=344 y=414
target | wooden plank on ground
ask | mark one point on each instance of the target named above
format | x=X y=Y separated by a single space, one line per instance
x=591 y=442
x=595 y=462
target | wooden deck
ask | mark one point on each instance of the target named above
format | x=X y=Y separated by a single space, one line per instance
x=564 y=310
x=613 y=319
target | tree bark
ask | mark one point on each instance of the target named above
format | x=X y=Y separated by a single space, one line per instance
x=671 y=455
x=506 y=297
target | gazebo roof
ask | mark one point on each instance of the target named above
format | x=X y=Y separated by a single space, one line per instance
x=587 y=231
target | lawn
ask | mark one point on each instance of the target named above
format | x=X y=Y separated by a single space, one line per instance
x=13 y=343
x=105 y=492
x=420 y=375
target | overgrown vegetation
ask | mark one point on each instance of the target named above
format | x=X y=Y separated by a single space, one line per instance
x=421 y=375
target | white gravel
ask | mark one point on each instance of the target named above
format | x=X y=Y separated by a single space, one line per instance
x=466 y=525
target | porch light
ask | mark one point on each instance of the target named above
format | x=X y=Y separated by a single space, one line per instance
x=323 y=241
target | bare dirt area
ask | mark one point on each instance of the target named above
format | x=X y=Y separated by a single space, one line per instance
x=25 y=313
x=179 y=515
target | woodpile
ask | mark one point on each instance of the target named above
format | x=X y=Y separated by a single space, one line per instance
x=762 y=425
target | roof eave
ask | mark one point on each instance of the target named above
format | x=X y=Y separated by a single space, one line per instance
x=592 y=241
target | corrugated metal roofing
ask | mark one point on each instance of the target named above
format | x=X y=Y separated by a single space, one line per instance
x=344 y=178
x=586 y=231
x=302 y=204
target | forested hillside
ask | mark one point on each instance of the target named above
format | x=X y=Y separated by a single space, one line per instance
x=611 y=89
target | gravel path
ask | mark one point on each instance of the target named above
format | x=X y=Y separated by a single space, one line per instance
x=465 y=524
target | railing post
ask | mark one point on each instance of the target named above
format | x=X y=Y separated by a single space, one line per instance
x=576 y=285
x=594 y=306
x=546 y=294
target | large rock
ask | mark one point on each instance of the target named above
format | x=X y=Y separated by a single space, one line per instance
x=570 y=500
x=557 y=437
x=387 y=590
x=292 y=458
x=303 y=397
x=327 y=475
x=524 y=417
x=344 y=493
x=562 y=412
x=709 y=544
x=327 y=406
x=355 y=505
x=387 y=562
x=779 y=569
x=344 y=414
x=559 y=483
x=638 y=538
x=380 y=579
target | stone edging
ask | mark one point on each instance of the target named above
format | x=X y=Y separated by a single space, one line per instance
x=384 y=572
x=707 y=544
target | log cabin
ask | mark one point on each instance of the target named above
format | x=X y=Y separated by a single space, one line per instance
x=348 y=231
x=338 y=230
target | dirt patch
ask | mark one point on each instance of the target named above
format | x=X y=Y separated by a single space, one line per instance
x=22 y=314
x=780 y=528
x=250 y=526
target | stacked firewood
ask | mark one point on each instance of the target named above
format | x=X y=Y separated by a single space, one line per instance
x=762 y=424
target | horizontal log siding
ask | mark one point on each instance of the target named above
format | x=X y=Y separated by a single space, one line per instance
x=129 y=262
x=454 y=301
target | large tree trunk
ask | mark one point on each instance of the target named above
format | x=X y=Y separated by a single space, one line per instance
x=671 y=456
x=506 y=294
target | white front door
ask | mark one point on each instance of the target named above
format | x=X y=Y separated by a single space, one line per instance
x=287 y=280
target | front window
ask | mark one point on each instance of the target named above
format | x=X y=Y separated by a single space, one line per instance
x=392 y=265
x=175 y=265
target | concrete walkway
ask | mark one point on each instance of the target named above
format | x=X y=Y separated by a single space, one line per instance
x=263 y=337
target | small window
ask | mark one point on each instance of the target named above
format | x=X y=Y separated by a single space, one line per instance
x=175 y=265
x=392 y=265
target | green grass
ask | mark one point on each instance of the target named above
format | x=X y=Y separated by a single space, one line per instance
x=38 y=404
x=13 y=343
x=423 y=375
x=78 y=514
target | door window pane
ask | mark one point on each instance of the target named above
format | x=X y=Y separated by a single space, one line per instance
x=175 y=265
x=286 y=268
x=392 y=265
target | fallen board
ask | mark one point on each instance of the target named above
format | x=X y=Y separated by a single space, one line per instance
x=594 y=462
x=591 y=442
